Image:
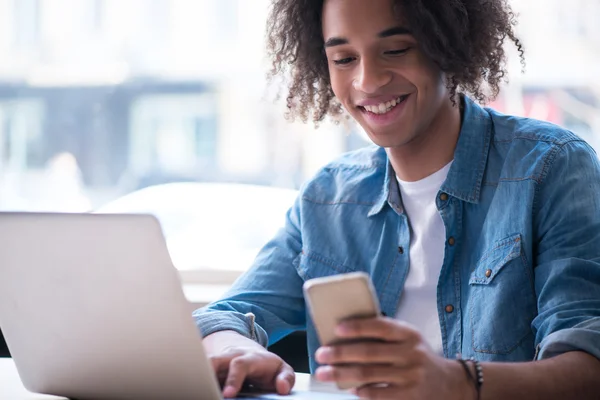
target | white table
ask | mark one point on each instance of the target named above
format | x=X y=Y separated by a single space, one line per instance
x=11 y=387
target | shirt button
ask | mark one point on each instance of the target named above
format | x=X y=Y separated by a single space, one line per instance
x=488 y=273
x=451 y=241
x=443 y=197
x=400 y=249
x=449 y=308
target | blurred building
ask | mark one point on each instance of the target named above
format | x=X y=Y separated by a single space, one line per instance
x=140 y=92
x=561 y=83
x=143 y=92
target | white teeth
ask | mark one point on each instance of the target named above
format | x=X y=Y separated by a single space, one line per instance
x=383 y=107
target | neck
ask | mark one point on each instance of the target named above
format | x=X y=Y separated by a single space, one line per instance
x=431 y=150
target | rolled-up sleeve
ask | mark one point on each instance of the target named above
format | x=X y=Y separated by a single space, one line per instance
x=567 y=265
x=266 y=303
x=211 y=321
x=581 y=337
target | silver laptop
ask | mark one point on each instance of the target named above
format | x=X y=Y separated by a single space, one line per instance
x=92 y=308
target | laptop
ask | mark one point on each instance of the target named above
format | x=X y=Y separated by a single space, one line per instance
x=91 y=307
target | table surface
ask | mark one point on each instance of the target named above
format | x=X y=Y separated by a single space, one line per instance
x=12 y=388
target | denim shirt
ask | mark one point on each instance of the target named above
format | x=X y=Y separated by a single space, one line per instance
x=521 y=208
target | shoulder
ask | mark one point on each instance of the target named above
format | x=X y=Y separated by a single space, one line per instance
x=510 y=128
x=528 y=148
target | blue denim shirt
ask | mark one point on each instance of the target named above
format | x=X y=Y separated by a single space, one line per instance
x=522 y=270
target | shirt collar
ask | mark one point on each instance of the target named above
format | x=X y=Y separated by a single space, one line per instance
x=390 y=193
x=465 y=177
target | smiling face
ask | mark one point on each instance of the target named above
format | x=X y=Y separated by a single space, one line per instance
x=380 y=75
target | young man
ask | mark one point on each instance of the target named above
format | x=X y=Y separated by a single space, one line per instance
x=479 y=230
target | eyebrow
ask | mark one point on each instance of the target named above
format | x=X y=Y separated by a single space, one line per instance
x=397 y=30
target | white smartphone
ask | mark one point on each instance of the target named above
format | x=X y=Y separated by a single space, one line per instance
x=334 y=299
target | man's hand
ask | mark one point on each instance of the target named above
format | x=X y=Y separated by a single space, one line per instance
x=397 y=365
x=244 y=361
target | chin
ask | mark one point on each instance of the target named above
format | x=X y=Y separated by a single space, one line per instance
x=389 y=137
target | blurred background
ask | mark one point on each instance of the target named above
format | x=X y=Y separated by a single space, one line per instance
x=104 y=104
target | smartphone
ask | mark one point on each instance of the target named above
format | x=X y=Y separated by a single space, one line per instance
x=334 y=299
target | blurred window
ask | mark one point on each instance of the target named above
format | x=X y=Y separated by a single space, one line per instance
x=101 y=99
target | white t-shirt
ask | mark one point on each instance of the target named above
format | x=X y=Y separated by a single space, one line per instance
x=418 y=304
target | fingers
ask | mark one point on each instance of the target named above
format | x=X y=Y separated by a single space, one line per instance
x=380 y=328
x=372 y=374
x=403 y=354
x=239 y=369
x=220 y=365
x=220 y=362
x=265 y=371
x=285 y=380
x=377 y=392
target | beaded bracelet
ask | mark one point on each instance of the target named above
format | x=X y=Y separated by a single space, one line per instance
x=477 y=380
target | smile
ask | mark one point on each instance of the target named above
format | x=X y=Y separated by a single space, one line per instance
x=386 y=107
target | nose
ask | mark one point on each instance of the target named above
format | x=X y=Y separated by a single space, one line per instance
x=371 y=76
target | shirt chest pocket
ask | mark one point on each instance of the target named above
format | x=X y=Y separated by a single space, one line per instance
x=502 y=300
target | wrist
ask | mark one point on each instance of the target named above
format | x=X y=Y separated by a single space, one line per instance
x=463 y=383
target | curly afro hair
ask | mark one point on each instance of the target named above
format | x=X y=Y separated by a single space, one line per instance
x=464 y=38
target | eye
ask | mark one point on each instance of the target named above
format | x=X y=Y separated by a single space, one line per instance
x=397 y=52
x=343 y=61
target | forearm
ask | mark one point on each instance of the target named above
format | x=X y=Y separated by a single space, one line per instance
x=572 y=375
x=219 y=342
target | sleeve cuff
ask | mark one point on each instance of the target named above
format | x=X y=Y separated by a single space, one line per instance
x=209 y=322
x=582 y=337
